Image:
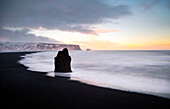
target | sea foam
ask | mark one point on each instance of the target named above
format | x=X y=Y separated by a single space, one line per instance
x=137 y=71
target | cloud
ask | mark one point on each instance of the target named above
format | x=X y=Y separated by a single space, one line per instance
x=99 y=30
x=22 y=36
x=65 y=15
x=168 y=4
x=148 y=4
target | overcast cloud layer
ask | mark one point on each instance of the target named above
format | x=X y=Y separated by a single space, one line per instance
x=66 y=15
x=22 y=36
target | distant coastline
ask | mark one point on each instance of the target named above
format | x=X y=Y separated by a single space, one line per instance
x=32 y=46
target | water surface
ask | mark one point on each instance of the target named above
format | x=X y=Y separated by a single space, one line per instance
x=137 y=71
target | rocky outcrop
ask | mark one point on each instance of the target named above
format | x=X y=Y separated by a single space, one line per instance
x=63 y=61
x=88 y=49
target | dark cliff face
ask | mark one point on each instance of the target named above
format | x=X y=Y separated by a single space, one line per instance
x=77 y=47
x=36 y=47
x=69 y=47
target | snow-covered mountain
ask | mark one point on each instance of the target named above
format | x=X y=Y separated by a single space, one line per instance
x=26 y=46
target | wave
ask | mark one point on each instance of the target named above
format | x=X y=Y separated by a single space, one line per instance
x=137 y=71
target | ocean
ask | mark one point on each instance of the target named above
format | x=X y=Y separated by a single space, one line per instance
x=138 y=71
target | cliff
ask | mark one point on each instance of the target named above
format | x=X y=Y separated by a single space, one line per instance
x=26 y=46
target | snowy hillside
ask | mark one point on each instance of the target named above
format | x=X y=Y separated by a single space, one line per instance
x=26 y=46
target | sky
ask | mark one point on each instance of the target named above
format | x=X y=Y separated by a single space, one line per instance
x=93 y=24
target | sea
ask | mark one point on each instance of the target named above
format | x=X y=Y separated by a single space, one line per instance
x=141 y=71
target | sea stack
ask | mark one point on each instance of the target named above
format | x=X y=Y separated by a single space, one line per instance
x=63 y=61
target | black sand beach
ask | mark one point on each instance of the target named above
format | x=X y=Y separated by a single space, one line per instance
x=26 y=89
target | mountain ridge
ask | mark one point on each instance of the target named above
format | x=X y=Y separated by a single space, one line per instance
x=33 y=46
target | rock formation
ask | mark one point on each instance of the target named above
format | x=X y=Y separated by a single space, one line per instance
x=63 y=61
x=88 y=49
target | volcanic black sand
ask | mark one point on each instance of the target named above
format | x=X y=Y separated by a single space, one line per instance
x=21 y=88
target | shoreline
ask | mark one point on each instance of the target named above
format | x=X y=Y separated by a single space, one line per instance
x=26 y=89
